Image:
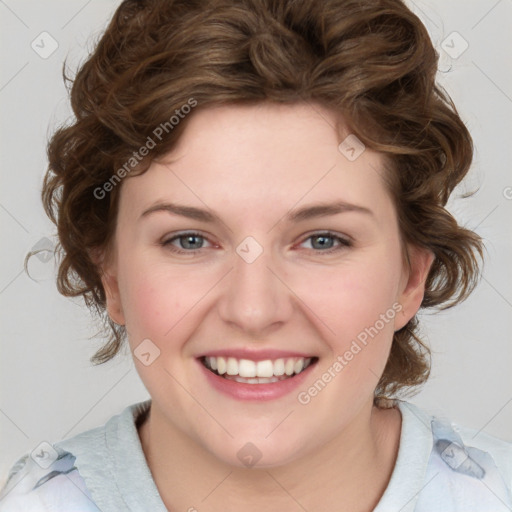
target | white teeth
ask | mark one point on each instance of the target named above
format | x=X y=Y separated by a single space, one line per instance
x=232 y=366
x=254 y=372
x=265 y=368
x=221 y=365
x=279 y=367
x=256 y=380
x=246 y=368
x=288 y=366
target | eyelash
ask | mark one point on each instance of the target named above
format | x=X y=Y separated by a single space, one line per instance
x=343 y=242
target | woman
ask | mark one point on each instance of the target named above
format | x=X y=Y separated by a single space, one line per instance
x=254 y=193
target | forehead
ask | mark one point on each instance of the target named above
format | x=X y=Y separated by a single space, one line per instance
x=259 y=157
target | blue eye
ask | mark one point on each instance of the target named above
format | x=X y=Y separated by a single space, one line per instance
x=191 y=242
x=324 y=242
x=188 y=241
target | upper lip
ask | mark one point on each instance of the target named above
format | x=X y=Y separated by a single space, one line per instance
x=255 y=355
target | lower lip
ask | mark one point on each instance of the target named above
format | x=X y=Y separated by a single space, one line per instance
x=258 y=392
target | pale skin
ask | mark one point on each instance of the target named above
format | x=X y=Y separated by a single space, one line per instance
x=251 y=166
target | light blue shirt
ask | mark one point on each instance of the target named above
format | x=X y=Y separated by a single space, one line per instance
x=440 y=468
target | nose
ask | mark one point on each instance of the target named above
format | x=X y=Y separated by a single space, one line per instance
x=255 y=300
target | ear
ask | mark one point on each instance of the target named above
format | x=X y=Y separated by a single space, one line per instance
x=108 y=274
x=413 y=283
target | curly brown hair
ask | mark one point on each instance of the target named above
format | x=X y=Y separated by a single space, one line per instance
x=371 y=61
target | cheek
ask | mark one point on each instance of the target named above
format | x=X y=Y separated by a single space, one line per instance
x=353 y=296
x=160 y=301
x=150 y=309
x=153 y=309
x=152 y=300
x=358 y=304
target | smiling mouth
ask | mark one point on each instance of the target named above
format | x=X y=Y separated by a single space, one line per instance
x=267 y=371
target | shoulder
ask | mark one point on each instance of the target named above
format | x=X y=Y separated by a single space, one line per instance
x=45 y=480
x=467 y=469
x=75 y=474
x=498 y=449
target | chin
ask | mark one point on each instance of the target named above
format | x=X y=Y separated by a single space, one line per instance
x=247 y=450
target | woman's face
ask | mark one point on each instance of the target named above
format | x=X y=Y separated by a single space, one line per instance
x=264 y=242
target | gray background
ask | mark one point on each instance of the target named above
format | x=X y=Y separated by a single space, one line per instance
x=49 y=390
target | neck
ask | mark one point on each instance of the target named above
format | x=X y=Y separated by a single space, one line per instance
x=350 y=472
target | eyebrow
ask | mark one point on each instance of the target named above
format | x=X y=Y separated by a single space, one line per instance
x=301 y=214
